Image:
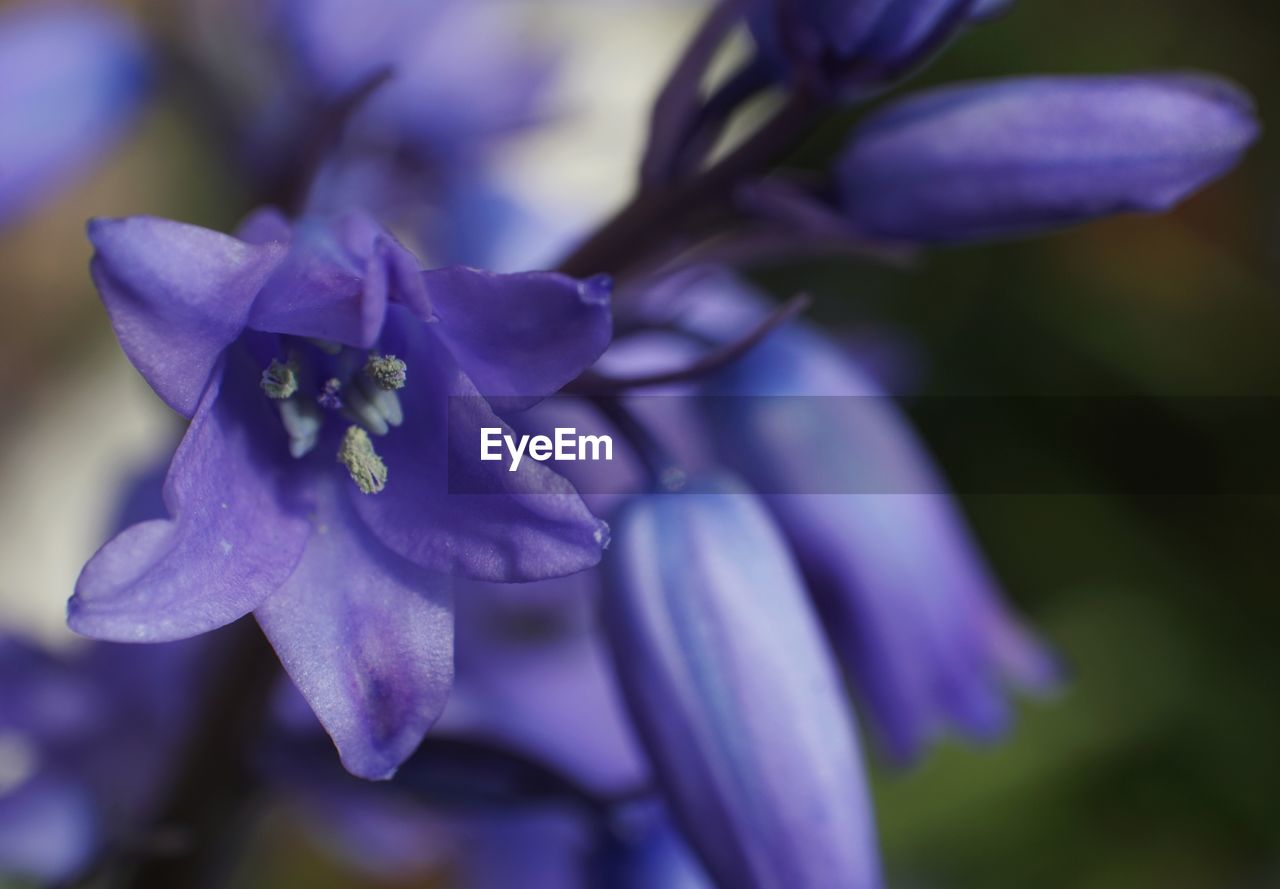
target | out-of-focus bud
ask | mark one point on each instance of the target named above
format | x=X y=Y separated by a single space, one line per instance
x=728 y=678
x=1014 y=156
x=853 y=46
x=71 y=79
x=902 y=589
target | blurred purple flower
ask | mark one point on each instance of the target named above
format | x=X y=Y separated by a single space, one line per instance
x=853 y=46
x=305 y=354
x=86 y=742
x=71 y=80
x=1014 y=156
x=462 y=71
x=906 y=597
x=727 y=676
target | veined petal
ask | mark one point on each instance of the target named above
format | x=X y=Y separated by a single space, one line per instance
x=233 y=538
x=1007 y=157
x=520 y=337
x=178 y=295
x=728 y=677
x=71 y=79
x=366 y=636
x=502 y=526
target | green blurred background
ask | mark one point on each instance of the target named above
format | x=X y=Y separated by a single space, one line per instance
x=1157 y=766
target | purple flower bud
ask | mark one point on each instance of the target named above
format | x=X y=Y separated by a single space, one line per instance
x=70 y=80
x=1007 y=157
x=727 y=676
x=905 y=595
x=854 y=45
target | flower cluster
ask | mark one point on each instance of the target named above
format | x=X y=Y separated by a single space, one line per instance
x=457 y=629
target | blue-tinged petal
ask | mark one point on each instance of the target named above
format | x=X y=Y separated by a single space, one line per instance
x=904 y=592
x=366 y=636
x=178 y=295
x=1007 y=157
x=533 y=675
x=265 y=225
x=989 y=9
x=71 y=79
x=520 y=337
x=648 y=852
x=333 y=284
x=49 y=830
x=234 y=537
x=741 y=708
x=499 y=525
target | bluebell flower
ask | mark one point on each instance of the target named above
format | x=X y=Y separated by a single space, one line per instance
x=855 y=46
x=729 y=680
x=462 y=72
x=904 y=593
x=317 y=363
x=71 y=81
x=86 y=743
x=1015 y=156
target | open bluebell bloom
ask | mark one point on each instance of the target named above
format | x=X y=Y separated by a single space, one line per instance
x=1013 y=156
x=845 y=46
x=729 y=681
x=903 y=591
x=71 y=80
x=317 y=363
x=86 y=742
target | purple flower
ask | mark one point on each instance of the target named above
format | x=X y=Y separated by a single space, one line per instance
x=336 y=528
x=906 y=597
x=85 y=745
x=1014 y=156
x=71 y=78
x=854 y=45
x=727 y=676
x=461 y=71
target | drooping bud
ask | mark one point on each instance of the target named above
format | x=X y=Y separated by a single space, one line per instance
x=280 y=380
x=362 y=461
x=387 y=371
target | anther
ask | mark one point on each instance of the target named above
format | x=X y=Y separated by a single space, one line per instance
x=387 y=371
x=280 y=380
x=363 y=463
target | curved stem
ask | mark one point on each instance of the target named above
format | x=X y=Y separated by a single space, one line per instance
x=653 y=218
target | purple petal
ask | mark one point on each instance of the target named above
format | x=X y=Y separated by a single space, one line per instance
x=232 y=540
x=551 y=694
x=178 y=295
x=366 y=636
x=507 y=526
x=907 y=599
x=728 y=677
x=520 y=337
x=71 y=80
x=49 y=830
x=335 y=281
x=1007 y=157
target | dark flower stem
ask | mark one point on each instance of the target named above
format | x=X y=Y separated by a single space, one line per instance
x=655 y=217
x=193 y=839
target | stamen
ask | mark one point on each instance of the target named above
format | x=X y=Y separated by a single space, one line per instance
x=302 y=421
x=358 y=407
x=325 y=346
x=363 y=463
x=329 y=398
x=387 y=371
x=385 y=401
x=280 y=380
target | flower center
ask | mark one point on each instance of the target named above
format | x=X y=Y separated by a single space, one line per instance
x=316 y=379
